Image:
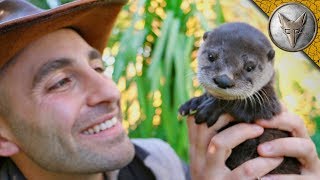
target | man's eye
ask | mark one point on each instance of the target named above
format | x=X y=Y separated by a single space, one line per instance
x=60 y=84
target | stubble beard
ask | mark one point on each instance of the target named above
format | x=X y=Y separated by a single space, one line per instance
x=54 y=153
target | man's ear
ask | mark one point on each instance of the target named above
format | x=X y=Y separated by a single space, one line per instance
x=7 y=148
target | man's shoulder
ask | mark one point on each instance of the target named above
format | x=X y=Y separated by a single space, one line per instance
x=154 y=145
x=160 y=157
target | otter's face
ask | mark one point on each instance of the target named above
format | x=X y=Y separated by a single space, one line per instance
x=233 y=68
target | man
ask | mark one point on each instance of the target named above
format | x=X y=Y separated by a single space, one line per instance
x=60 y=118
x=66 y=121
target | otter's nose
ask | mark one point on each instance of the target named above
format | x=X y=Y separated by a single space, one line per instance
x=223 y=81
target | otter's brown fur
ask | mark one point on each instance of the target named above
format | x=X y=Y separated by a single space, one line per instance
x=236 y=70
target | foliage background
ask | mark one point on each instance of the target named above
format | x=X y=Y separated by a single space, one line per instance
x=151 y=55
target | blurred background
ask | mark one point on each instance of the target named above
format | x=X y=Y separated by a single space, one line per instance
x=151 y=55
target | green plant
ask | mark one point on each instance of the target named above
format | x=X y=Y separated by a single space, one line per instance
x=154 y=43
x=166 y=72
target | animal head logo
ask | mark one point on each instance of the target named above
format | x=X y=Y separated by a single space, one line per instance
x=292 y=29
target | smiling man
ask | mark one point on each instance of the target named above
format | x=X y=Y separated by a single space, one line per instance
x=67 y=109
x=60 y=117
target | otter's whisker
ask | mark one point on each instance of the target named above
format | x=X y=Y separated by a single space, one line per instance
x=260 y=101
x=265 y=95
x=264 y=100
x=260 y=97
x=252 y=102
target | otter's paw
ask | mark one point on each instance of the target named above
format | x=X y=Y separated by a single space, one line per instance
x=208 y=112
x=214 y=117
x=191 y=106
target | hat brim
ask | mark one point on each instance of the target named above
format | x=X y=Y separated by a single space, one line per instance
x=92 y=19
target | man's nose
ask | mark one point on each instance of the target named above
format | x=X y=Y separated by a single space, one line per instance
x=102 y=89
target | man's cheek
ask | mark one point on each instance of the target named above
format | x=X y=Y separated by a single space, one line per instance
x=60 y=113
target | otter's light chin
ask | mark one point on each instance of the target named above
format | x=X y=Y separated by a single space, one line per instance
x=226 y=95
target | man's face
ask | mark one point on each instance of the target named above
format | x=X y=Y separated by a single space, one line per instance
x=64 y=113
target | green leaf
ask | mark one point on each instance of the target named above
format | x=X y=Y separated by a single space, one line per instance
x=180 y=70
x=169 y=121
x=146 y=107
x=130 y=42
x=40 y=3
x=218 y=9
x=189 y=75
x=316 y=140
x=154 y=71
x=170 y=49
x=203 y=21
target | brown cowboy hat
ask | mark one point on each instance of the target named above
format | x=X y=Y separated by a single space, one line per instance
x=21 y=23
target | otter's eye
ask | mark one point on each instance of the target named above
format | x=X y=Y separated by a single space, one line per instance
x=250 y=66
x=212 y=57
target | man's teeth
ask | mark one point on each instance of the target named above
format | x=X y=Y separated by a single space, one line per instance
x=102 y=126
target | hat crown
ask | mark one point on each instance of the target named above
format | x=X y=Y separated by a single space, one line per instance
x=21 y=23
x=15 y=9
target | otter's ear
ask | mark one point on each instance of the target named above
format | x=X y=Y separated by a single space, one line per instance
x=271 y=54
x=205 y=35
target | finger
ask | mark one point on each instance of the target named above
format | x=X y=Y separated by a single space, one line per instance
x=208 y=133
x=197 y=161
x=255 y=168
x=284 y=177
x=302 y=149
x=219 y=150
x=193 y=135
x=201 y=134
x=192 y=129
x=288 y=122
x=204 y=136
x=222 y=121
x=199 y=137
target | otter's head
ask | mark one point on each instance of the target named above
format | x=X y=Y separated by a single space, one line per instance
x=235 y=61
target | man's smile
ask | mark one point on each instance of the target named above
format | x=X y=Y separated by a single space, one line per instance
x=101 y=126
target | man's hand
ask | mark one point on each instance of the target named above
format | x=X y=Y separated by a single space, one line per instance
x=299 y=146
x=209 y=150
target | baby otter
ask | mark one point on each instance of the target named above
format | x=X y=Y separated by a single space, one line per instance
x=235 y=66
